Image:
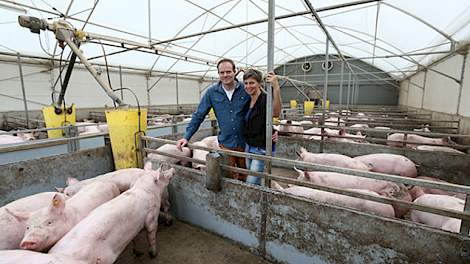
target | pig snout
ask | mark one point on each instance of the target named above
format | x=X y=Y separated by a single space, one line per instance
x=30 y=245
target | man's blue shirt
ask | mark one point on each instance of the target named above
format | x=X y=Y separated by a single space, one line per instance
x=230 y=114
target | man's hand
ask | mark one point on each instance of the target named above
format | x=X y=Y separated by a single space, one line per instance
x=181 y=143
x=272 y=78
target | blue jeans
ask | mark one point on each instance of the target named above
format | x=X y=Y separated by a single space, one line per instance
x=254 y=164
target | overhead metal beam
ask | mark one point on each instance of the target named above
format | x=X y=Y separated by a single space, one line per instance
x=328 y=8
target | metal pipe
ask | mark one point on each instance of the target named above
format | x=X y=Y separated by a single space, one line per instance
x=150 y=21
x=318 y=167
x=177 y=93
x=20 y=69
x=375 y=32
x=349 y=88
x=120 y=82
x=93 y=72
x=341 y=85
x=328 y=8
x=269 y=99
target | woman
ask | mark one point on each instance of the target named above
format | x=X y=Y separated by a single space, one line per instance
x=255 y=119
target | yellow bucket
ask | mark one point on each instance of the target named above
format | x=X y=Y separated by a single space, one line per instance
x=212 y=114
x=293 y=104
x=123 y=125
x=308 y=107
x=327 y=104
x=54 y=120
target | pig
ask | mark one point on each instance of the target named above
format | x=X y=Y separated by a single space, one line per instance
x=288 y=126
x=342 y=136
x=9 y=139
x=383 y=128
x=313 y=130
x=29 y=257
x=26 y=136
x=337 y=160
x=306 y=122
x=438 y=148
x=345 y=181
x=123 y=179
x=171 y=149
x=46 y=226
x=13 y=217
x=390 y=164
x=417 y=191
x=334 y=121
x=211 y=142
x=200 y=155
x=417 y=140
x=119 y=221
x=341 y=200
x=434 y=220
x=360 y=126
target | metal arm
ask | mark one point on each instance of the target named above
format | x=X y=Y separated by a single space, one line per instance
x=65 y=33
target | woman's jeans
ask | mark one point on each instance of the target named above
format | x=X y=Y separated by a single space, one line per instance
x=254 y=164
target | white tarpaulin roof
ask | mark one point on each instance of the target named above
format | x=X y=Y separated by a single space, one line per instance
x=377 y=29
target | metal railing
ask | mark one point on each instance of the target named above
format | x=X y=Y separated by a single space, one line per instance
x=218 y=163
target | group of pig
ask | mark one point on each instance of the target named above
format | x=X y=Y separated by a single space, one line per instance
x=89 y=126
x=199 y=154
x=295 y=129
x=91 y=221
x=17 y=138
x=381 y=163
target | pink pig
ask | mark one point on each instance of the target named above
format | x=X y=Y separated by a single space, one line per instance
x=13 y=217
x=46 y=226
x=119 y=221
x=336 y=160
x=390 y=164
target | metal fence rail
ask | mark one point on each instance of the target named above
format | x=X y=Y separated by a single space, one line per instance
x=465 y=227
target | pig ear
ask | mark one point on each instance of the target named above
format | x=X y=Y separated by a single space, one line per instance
x=20 y=216
x=276 y=186
x=169 y=173
x=72 y=181
x=57 y=203
x=148 y=166
x=58 y=189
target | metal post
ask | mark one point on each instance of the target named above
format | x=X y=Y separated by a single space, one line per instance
x=18 y=59
x=424 y=88
x=341 y=86
x=269 y=90
x=465 y=226
x=349 y=89
x=214 y=171
x=177 y=94
x=150 y=22
x=325 y=94
x=73 y=145
x=120 y=82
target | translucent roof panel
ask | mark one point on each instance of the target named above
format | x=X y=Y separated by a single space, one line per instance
x=396 y=36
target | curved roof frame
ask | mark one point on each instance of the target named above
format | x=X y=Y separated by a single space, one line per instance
x=350 y=32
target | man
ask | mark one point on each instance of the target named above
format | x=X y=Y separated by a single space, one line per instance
x=230 y=102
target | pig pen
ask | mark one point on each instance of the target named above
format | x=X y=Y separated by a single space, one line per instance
x=277 y=226
x=446 y=166
x=178 y=243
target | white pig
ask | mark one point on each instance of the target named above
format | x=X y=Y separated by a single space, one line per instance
x=31 y=257
x=200 y=155
x=434 y=220
x=211 y=142
x=390 y=164
x=337 y=160
x=118 y=221
x=46 y=226
x=13 y=217
x=171 y=149
x=342 y=200
x=417 y=139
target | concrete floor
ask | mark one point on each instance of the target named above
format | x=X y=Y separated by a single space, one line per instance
x=184 y=243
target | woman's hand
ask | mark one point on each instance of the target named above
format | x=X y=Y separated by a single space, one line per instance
x=272 y=78
x=274 y=137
